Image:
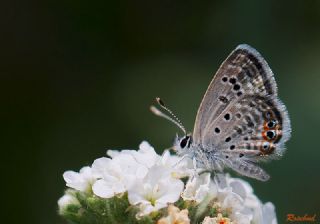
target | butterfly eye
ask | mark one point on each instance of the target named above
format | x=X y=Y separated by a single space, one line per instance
x=184 y=142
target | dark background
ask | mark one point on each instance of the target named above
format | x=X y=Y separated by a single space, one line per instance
x=78 y=77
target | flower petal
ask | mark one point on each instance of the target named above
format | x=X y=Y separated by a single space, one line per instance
x=269 y=214
x=103 y=189
x=99 y=166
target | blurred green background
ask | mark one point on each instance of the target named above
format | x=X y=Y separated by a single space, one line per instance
x=78 y=77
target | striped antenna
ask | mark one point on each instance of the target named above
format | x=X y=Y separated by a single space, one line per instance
x=173 y=118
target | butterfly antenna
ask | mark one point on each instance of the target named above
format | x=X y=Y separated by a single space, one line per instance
x=161 y=104
x=174 y=119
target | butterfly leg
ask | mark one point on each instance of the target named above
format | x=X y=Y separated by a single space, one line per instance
x=218 y=178
x=194 y=173
x=180 y=160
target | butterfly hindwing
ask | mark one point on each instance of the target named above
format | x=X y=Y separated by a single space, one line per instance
x=255 y=123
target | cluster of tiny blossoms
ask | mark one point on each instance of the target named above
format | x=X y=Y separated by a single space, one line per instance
x=152 y=183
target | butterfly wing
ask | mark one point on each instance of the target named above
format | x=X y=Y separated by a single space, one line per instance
x=241 y=116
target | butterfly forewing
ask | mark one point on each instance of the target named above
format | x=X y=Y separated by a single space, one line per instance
x=243 y=72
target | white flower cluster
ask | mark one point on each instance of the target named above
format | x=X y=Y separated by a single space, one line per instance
x=153 y=182
x=234 y=196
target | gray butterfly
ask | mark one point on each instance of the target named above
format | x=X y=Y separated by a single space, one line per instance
x=240 y=122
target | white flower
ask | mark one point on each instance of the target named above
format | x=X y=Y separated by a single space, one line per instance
x=116 y=174
x=155 y=190
x=180 y=167
x=233 y=196
x=145 y=156
x=81 y=181
x=66 y=200
x=199 y=187
x=252 y=210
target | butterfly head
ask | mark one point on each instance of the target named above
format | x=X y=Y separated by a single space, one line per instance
x=182 y=143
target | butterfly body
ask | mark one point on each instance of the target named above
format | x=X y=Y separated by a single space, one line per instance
x=205 y=156
x=240 y=121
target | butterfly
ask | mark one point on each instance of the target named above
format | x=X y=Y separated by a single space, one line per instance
x=240 y=122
